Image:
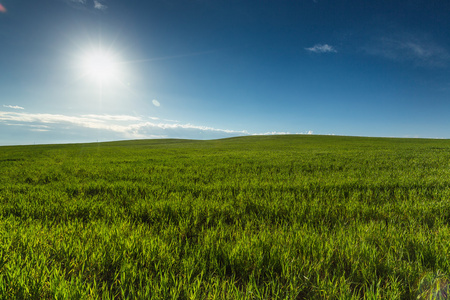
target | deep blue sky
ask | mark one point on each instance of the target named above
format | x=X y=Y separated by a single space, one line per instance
x=211 y=68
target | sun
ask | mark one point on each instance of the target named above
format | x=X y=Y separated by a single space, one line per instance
x=101 y=66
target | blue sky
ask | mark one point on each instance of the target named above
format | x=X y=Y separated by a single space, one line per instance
x=86 y=71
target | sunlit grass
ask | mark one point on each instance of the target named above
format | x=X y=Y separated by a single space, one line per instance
x=292 y=217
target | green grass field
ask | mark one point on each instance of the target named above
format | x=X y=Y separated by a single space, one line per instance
x=282 y=217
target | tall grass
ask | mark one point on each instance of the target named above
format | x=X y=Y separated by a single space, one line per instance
x=292 y=217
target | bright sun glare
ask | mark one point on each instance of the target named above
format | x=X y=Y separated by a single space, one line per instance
x=101 y=66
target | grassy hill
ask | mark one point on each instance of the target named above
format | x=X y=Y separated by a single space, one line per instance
x=264 y=217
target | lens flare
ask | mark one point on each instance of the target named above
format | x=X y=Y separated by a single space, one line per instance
x=2 y=8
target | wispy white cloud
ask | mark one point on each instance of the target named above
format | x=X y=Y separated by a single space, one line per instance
x=321 y=48
x=13 y=106
x=39 y=126
x=156 y=103
x=118 y=126
x=282 y=133
x=113 y=117
x=39 y=130
x=99 y=5
x=174 y=121
x=406 y=47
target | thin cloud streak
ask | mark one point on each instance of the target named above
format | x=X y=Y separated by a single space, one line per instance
x=118 y=127
x=13 y=106
x=283 y=133
x=113 y=117
x=99 y=5
x=319 y=48
x=122 y=125
x=416 y=49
